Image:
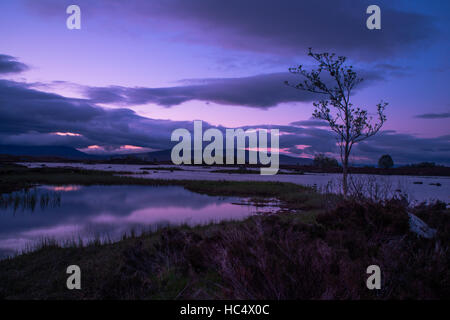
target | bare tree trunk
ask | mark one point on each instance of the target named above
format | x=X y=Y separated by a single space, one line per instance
x=345 y=171
x=344 y=179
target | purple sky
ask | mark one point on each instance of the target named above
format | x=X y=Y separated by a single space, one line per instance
x=162 y=64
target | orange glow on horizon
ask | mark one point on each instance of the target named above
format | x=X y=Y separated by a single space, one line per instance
x=66 y=134
x=65 y=188
x=302 y=146
x=94 y=147
x=124 y=149
x=130 y=147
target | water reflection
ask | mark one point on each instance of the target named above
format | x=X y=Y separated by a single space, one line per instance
x=63 y=188
x=108 y=212
x=27 y=200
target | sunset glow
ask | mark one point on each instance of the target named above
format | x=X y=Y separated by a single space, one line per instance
x=67 y=134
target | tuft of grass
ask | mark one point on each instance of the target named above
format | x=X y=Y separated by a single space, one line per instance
x=171 y=169
x=244 y=170
x=29 y=200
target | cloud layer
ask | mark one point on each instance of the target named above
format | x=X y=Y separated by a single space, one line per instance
x=260 y=91
x=284 y=27
x=32 y=117
x=29 y=116
x=9 y=64
x=443 y=115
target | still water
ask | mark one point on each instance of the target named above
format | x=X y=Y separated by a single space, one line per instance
x=67 y=213
x=417 y=188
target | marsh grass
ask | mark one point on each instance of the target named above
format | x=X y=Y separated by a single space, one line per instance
x=29 y=199
x=244 y=170
x=171 y=169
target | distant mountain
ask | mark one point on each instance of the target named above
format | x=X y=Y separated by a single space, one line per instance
x=156 y=156
x=287 y=160
x=46 y=151
x=165 y=156
x=73 y=154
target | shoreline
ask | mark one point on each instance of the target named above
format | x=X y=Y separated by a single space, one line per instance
x=406 y=170
x=418 y=188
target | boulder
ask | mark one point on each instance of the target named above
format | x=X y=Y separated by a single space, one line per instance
x=420 y=228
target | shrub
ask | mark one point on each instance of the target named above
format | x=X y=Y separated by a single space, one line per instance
x=323 y=161
x=385 y=162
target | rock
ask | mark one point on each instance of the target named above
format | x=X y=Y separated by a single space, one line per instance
x=420 y=228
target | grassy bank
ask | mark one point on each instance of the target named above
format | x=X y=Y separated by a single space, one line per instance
x=245 y=170
x=313 y=251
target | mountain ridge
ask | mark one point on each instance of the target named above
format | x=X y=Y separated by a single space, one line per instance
x=71 y=153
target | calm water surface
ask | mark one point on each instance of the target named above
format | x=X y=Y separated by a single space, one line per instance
x=417 y=188
x=108 y=212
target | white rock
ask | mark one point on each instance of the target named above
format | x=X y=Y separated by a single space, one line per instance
x=420 y=228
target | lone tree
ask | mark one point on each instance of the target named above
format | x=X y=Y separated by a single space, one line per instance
x=385 y=162
x=351 y=124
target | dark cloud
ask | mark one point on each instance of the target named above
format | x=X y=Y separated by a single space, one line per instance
x=310 y=123
x=404 y=148
x=284 y=27
x=29 y=116
x=260 y=91
x=443 y=115
x=9 y=64
x=388 y=69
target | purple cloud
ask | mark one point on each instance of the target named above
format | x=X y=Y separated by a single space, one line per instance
x=260 y=91
x=443 y=115
x=286 y=27
x=32 y=117
x=9 y=64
